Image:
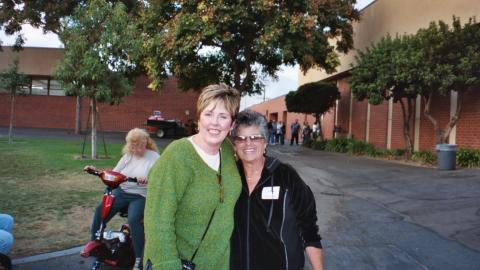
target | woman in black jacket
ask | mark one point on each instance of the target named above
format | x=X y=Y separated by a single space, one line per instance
x=275 y=216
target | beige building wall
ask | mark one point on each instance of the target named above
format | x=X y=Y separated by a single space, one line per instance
x=396 y=17
x=32 y=61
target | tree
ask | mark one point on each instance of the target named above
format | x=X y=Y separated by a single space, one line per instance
x=12 y=82
x=242 y=42
x=101 y=48
x=315 y=98
x=45 y=14
x=433 y=62
x=449 y=61
x=48 y=15
x=386 y=70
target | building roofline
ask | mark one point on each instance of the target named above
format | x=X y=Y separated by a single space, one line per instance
x=338 y=76
x=365 y=7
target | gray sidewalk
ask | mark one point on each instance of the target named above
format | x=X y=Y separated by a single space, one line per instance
x=375 y=214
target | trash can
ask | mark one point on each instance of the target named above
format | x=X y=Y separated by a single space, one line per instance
x=446 y=156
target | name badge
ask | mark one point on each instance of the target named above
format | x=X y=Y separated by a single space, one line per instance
x=270 y=193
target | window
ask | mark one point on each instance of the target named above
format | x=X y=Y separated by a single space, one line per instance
x=39 y=87
x=44 y=86
x=56 y=88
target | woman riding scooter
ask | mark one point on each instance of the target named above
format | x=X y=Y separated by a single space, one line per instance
x=139 y=154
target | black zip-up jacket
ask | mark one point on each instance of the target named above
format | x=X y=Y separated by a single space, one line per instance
x=271 y=234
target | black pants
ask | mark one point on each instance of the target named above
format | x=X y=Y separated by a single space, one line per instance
x=294 y=137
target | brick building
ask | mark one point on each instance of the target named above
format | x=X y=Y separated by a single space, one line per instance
x=382 y=124
x=46 y=106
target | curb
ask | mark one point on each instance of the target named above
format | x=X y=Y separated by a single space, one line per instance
x=47 y=256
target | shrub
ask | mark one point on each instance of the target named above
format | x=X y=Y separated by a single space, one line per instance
x=398 y=152
x=424 y=157
x=379 y=152
x=370 y=150
x=337 y=145
x=361 y=148
x=308 y=143
x=468 y=158
x=319 y=145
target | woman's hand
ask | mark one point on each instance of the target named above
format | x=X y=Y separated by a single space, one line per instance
x=142 y=180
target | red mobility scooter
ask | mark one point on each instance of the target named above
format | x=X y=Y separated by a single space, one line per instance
x=110 y=247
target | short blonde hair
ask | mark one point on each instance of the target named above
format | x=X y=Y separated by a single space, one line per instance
x=137 y=135
x=219 y=92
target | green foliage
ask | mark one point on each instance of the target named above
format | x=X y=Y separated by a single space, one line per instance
x=314 y=98
x=371 y=151
x=101 y=48
x=319 y=145
x=337 y=145
x=241 y=42
x=449 y=59
x=44 y=14
x=434 y=61
x=360 y=147
x=12 y=81
x=308 y=143
x=468 y=158
x=424 y=157
x=387 y=153
x=398 y=152
x=386 y=71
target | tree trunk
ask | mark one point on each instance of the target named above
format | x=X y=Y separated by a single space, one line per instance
x=78 y=109
x=454 y=119
x=407 y=116
x=12 y=110
x=94 y=128
x=320 y=131
x=426 y=111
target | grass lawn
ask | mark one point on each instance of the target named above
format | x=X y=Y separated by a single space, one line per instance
x=44 y=189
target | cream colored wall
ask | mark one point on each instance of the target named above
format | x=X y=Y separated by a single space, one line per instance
x=29 y=59
x=397 y=17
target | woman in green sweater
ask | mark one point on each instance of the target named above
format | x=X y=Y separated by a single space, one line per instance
x=192 y=191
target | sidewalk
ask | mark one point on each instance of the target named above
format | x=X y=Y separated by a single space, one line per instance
x=374 y=214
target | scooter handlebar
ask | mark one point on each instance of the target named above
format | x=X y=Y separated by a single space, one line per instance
x=92 y=170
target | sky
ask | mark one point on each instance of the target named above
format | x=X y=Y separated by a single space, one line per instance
x=287 y=76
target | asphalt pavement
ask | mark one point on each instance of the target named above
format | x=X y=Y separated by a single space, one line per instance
x=373 y=214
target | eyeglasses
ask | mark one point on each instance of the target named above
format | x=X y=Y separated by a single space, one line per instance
x=253 y=138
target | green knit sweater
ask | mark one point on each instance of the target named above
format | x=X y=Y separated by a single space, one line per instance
x=182 y=193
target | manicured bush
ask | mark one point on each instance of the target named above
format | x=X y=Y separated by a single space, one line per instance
x=469 y=158
x=424 y=157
